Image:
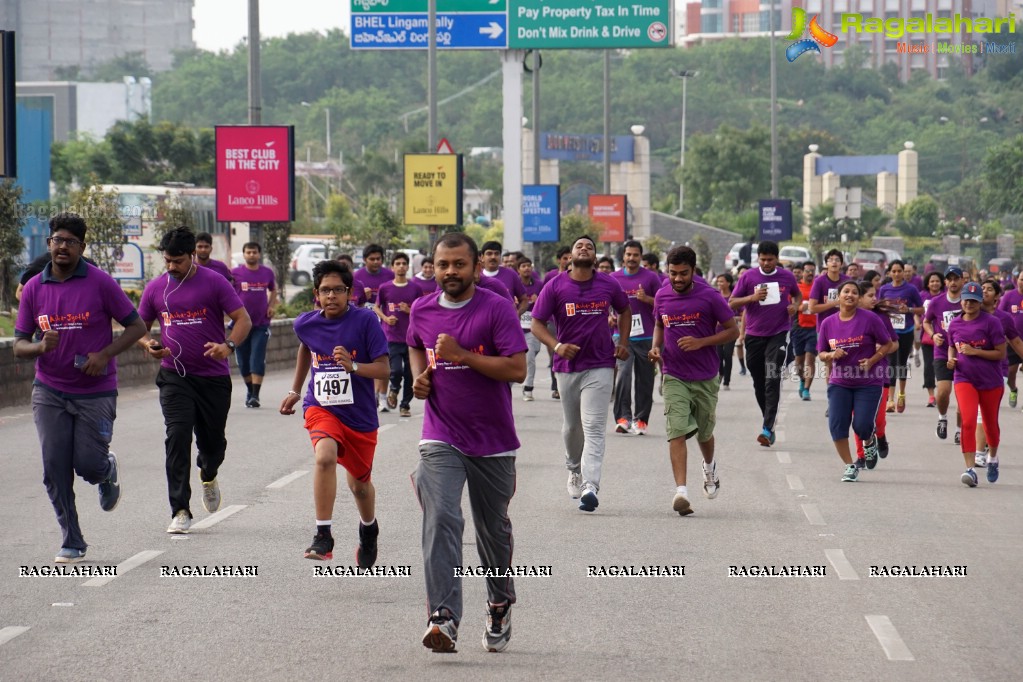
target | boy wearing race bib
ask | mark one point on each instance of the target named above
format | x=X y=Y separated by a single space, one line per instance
x=532 y=286
x=339 y=405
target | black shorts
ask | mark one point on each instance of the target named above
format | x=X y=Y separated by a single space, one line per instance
x=1011 y=356
x=941 y=371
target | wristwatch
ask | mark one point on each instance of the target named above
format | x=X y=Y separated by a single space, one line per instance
x=355 y=367
x=231 y=344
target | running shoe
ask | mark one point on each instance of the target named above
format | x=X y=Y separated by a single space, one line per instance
x=405 y=412
x=860 y=463
x=211 y=495
x=916 y=359
x=969 y=478
x=681 y=504
x=851 y=474
x=69 y=555
x=802 y=386
x=366 y=554
x=253 y=402
x=180 y=524
x=392 y=398
x=248 y=400
x=441 y=634
x=588 y=502
x=805 y=394
x=992 y=471
x=622 y=426
x=110 y=489
x=527 y=396
x=711 y=483
x=766 y=438
x=900 y=404
x=383 y=408
x=555 y=395
x=870 y=452
x=575 y=485
x=322 y=548
x=957 y=439
x=882 y=446
x=930 y=401
x=890 y=408
x=498 y=632
x=980 y=459
x=1013 y=395
x=942 y=430
x=639 y=427
x=726 y=387
x=742 y=371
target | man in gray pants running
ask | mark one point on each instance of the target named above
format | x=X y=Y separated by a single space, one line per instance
x=584 y=360
x=465 y=342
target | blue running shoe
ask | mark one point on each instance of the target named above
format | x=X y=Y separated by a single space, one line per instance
x=969 y=478
x=69 y=555
x=588 y=502
x=992 y=471
x=766 y=438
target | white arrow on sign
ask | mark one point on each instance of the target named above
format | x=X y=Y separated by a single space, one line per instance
x=494 y=31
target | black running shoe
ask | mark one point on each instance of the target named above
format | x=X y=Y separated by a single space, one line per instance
x=366 y=554
x=882 y=446
x=322 y=548
x=942 y=430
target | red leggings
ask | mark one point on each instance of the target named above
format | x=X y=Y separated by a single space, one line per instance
x=880 y=422
x=969 y=397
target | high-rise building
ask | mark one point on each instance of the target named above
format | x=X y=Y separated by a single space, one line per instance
x=68 y=33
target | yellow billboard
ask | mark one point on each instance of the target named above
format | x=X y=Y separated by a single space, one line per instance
x=433 y=189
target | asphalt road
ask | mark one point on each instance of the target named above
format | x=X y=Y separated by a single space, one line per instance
x=778 y=507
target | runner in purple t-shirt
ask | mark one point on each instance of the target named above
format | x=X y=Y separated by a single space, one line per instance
x=1012 y=303
x=1013 y=342
x=466 y=345
x=74 y=396
x=364 y=293
x=490 y=257
x=692 y=321
x=976 y=348
x=394 y=301
x=578 y=304
x=339 y=405
x=203 y=250
x=770 y=296
x=941 y=310
x=194 y=378
x=424 y=278
x=533 y=286
x=257 y=289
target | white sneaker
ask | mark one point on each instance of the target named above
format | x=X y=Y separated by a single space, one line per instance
x=575 y=484
x=527 y=396
x=980 y=459
x=681 y=505
x=211 y=495
x=711 y=484
x=180 y=523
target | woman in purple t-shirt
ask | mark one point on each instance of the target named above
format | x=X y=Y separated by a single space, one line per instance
x=976 y=349
x=934 y=286
x=853 y=342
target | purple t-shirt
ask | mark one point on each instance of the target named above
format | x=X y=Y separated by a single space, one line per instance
x=983 y=332
x=466 y=409
x=579 y=311
x=79 y=309
x=252 y=287
x=427 y=285
x=363 y=279
x=1012 y=303
x=642 y=313
x=494 y=285
x=551 y=275
x=358 y=330
x=697 y=313
x=191 y=314
x=907 y=295
x=762 y=318
x=534 y=288
x=823 y=290
x=859 y=337
x=941 y=312
x=1009 y=329
x=218 y=266
x=389 y=298
x=510 y=279
x=917 y=281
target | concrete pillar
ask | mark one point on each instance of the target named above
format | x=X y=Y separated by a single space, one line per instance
x=887 y=192
x=811 y=186
x=1006 y=246
x=830 y=181
x=952 y=244
x=908 y=175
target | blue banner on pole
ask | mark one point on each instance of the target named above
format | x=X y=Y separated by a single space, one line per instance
x=541 y=213
x=776 y=219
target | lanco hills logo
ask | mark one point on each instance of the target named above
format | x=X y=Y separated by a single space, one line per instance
x=892 y=28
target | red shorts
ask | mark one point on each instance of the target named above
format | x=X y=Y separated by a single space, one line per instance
x=355 y=449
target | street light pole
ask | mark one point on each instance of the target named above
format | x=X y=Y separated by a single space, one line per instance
x=684 y=76
x=326 y=110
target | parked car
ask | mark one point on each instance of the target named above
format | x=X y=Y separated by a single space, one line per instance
x=875 y=259
x=732 y=259
x=788 y=255
x=303 y=260
x=1000 y=265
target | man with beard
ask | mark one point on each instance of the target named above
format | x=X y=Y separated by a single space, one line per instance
x=203 y=251
x=584 y=361
x=692 y=320
x=491 y=259
x=466 y=342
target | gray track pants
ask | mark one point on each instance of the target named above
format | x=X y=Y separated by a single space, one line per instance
x=584 y=400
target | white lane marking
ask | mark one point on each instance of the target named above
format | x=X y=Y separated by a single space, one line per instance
x=285 y=480
x=385 y=427
x=784 y=458
x=124 y=567
x=11 y=631
x=813 y=515
x=218 y=517
x=888 y=637
x=62 y=603
x=841 y=564
x=795 y=483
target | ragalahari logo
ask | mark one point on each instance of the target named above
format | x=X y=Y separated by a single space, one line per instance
x=818 y=36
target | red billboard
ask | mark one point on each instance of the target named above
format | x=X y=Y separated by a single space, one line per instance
x=608 y=210
x=255 y=173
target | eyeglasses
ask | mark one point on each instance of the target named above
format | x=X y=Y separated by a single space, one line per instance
x=327 y=291
x=63 y=241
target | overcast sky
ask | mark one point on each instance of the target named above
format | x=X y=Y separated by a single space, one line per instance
x=220 y=24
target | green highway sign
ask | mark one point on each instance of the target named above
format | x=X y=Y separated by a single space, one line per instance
x=584 y=24
x=445 y=6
